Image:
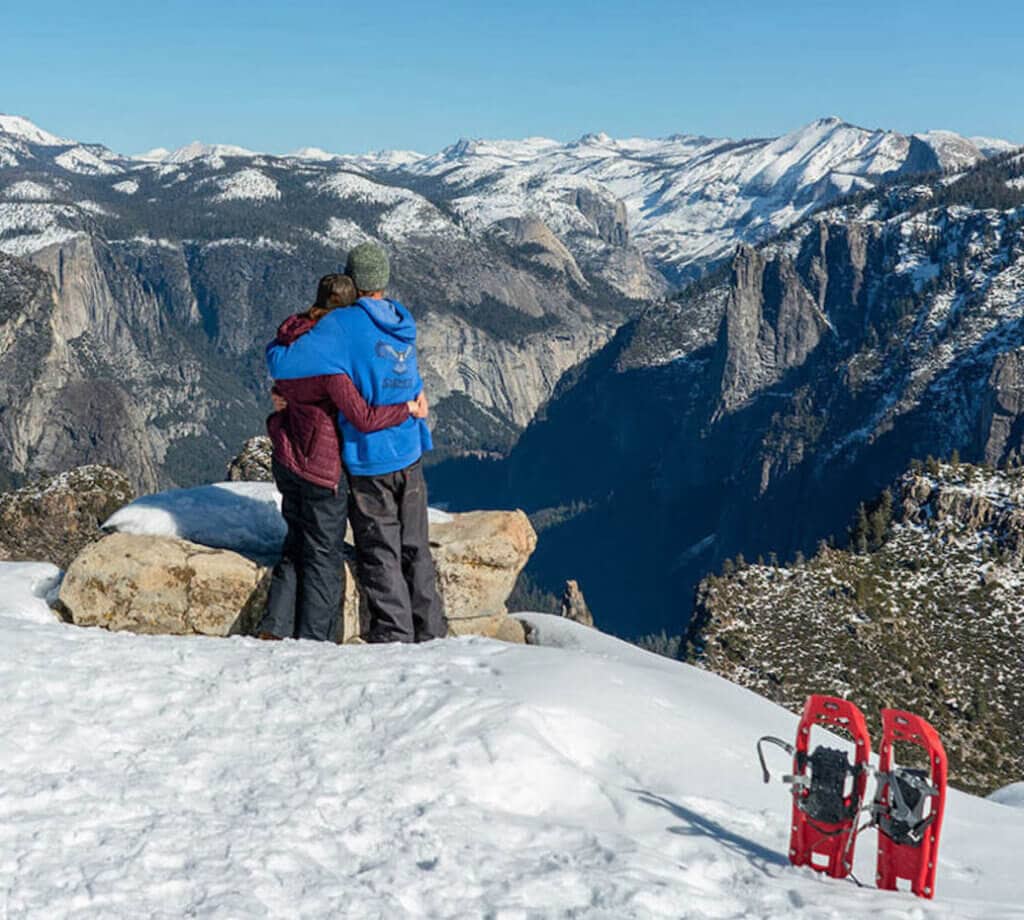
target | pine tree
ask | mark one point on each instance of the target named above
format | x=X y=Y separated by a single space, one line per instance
x=861 y=593
x=859 y=530
x=879 y=521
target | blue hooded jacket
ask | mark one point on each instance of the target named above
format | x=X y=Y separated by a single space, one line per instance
x=374 y=342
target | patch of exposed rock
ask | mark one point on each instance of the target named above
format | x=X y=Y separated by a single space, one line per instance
x=969 y=498
x=574 y=604
x=479 y=556
x=54 y=518
x=253 y=463
x=161 y=585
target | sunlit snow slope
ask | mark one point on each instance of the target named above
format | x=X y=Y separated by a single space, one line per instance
x=170 y=777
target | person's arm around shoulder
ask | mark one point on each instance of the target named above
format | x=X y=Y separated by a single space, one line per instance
x=320 y=351
x=367 y=418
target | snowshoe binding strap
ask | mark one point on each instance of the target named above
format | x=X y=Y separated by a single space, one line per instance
x=826 y=800
x=778 y=742
x=902 y=817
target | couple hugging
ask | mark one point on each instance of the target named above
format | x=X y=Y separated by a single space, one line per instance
x=347 y=388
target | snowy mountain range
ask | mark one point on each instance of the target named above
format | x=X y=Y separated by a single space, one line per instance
x=689 y=200
x=557 y=245
x=521 y=260
x=753 y=412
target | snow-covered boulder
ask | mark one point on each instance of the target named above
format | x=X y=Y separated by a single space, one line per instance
x=54 y=518
x=161 y=585
x=244 y=517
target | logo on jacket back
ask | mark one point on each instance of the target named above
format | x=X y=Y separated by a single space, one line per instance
x=401 y=358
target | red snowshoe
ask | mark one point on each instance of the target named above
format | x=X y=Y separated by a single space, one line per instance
x=909 y=805
x=829 y=794
x=828 y=790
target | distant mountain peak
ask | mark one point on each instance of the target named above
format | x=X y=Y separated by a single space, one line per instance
x=314 y=153
x=462 y=147
x=25 y=130
x=156 y=155
x=195 y=151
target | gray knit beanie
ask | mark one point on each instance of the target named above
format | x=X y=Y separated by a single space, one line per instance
x=368 y=267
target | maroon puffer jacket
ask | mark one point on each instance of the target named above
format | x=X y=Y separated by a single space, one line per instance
x=305 y=435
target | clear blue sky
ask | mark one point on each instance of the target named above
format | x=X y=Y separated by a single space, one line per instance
x=407 y=74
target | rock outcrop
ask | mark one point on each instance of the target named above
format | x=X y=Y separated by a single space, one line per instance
x=772 y=324
x=54 y=518
x=479 y=556
x=1002 y=415
x=253 y=463
x=161 y=585
x=574 y=604
x=149 y=584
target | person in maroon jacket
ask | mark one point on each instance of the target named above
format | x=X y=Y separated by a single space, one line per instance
x=307 y=585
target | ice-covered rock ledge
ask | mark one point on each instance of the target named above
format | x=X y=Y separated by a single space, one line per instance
x=194 y=561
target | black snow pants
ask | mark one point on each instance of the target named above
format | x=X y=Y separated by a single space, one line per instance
x=307 y=585
x=396 y=569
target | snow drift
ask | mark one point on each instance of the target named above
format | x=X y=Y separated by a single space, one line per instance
x=241 y=516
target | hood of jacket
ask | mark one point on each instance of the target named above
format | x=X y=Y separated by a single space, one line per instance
x=390 y=317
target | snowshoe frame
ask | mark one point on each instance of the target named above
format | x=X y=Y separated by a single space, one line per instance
x=909 y=805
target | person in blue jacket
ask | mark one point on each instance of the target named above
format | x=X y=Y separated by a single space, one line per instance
x=374 y=343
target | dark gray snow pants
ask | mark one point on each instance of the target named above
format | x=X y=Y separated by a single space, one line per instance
x=307 y=585
x=396 y=570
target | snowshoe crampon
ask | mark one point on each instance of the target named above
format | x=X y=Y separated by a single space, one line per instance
x=909 y=805
x=828 y=789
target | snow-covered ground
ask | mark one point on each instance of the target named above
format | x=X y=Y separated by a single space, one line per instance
x=169 y=777
x=1012 y=795
x=247 y=185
